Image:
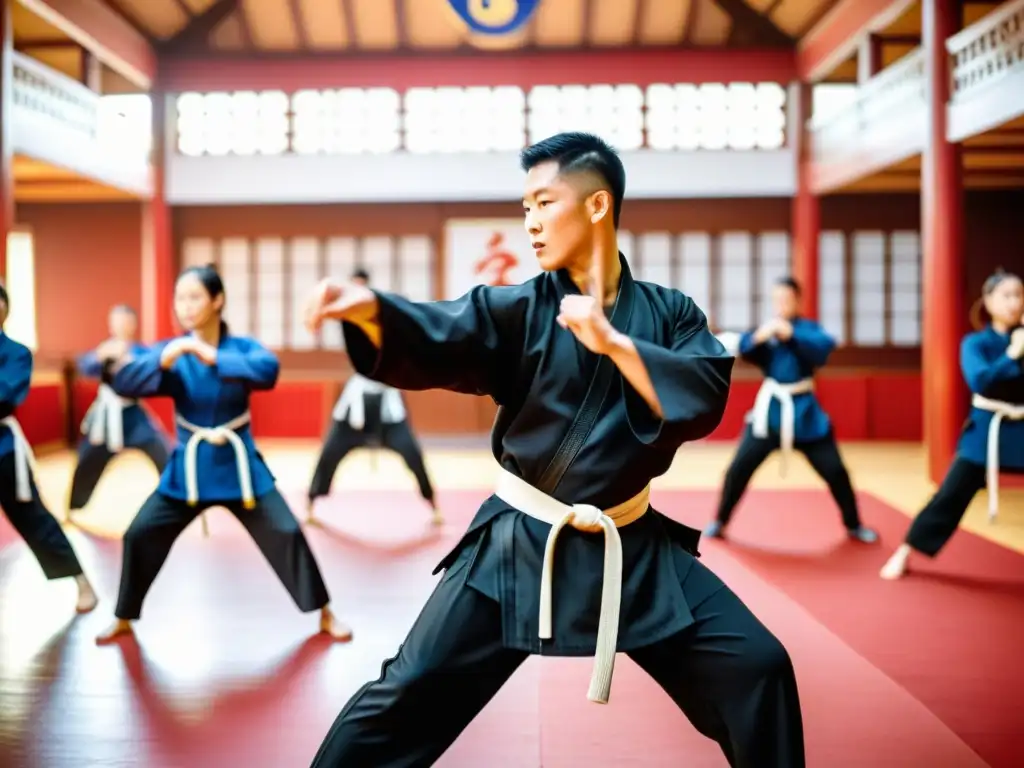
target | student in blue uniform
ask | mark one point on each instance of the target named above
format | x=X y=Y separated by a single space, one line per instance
x=112 y=422
x=210 y=374
x=788 y=349
x=19 y=497
x=993 y=436
x=369 y=413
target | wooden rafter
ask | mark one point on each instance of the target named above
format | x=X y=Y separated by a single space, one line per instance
x=348 y=12
x=194 y=36
x=751 y=28
x=299 y=23
x=640 y=11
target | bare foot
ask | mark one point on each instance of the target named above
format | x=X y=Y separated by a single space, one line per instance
x=896 y=566
x=333 y=627
x=311 y=513
x=87 y=599
x=118 y=628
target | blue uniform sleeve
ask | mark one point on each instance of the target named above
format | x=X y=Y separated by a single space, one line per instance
x=253 y=365
x=812 y=344
x=15 y=378
x=691 y=378
x=752 y=352
x=981 y=372
x=142 y=376
x=90 y=366
x=471 y=345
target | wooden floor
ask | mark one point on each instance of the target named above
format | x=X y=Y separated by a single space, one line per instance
x=191 y=694
x=894 y=472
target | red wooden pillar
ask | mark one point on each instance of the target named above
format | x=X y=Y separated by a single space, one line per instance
x=158 y=262
x=806 y=212
x=6 y=146
x=944 y=263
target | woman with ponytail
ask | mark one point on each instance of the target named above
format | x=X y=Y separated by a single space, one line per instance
x=210 y=374
x=993 y=437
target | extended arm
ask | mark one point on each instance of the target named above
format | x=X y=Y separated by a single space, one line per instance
x=470 y=345
x=682 y=390
x=255 y=366
x=980 y=373
x=813 y=345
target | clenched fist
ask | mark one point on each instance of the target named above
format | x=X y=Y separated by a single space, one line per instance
x=585 y=317
x=335 y=300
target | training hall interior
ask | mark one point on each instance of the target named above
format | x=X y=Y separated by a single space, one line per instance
x=871 y=149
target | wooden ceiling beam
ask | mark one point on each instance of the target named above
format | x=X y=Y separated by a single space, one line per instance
x=193 y=38
x=636 y=66
x=298 y=21
x=838 y=35
x=751 y=28
x=104 y=32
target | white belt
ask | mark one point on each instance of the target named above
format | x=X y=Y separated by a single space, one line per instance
x=221 y=435
x=773 y=390
x=999 y=411
x=520 y=495
x=352 y=408
x=107 y=413
x=24 y=460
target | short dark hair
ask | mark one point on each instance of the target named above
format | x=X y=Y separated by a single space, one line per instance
x=792 y=283
x=581 y=152
x=361 y=274
x=3 y=296
x=996 y=279
x=125 y=308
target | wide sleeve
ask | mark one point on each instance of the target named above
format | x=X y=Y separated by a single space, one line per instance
x=980 y=372
x=471 y=344
x=90 y=366
x=253 y=365
x=142 y=376
x=691 y=378
x=812 y=344
x=752 y=351
x=15 y=379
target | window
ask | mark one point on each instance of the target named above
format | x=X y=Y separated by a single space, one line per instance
x=772 y=264
x=345 y=121
x=734 y=310
x=613 y=112
x=241 y=123
x=869 y=252
x=464 y=119
x=694 y=274
x=20 y=282
x=905 y=289
x=269 y=279
x=716 y=116
x=832 y=284
x=303 y=275
x=236 y=271
x=653 y=258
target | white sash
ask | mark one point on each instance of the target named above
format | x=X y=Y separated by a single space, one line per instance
x=221 y=435
x=519 y=494
x=24 y=460
x=352 y=408
x=758 y=418
x=107 y=414
x=999 y=411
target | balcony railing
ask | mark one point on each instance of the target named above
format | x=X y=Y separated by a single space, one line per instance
x=881 y=126
x=59 y=121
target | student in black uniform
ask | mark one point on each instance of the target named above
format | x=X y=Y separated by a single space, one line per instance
x=369 y=413
x=599 y=379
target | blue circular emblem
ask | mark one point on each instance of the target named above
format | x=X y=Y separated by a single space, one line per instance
x=494 y=17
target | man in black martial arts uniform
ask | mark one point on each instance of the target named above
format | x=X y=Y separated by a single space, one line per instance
x=369 y=414
x=596 y=394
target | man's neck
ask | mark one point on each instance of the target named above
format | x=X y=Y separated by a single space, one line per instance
x=611 y=275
